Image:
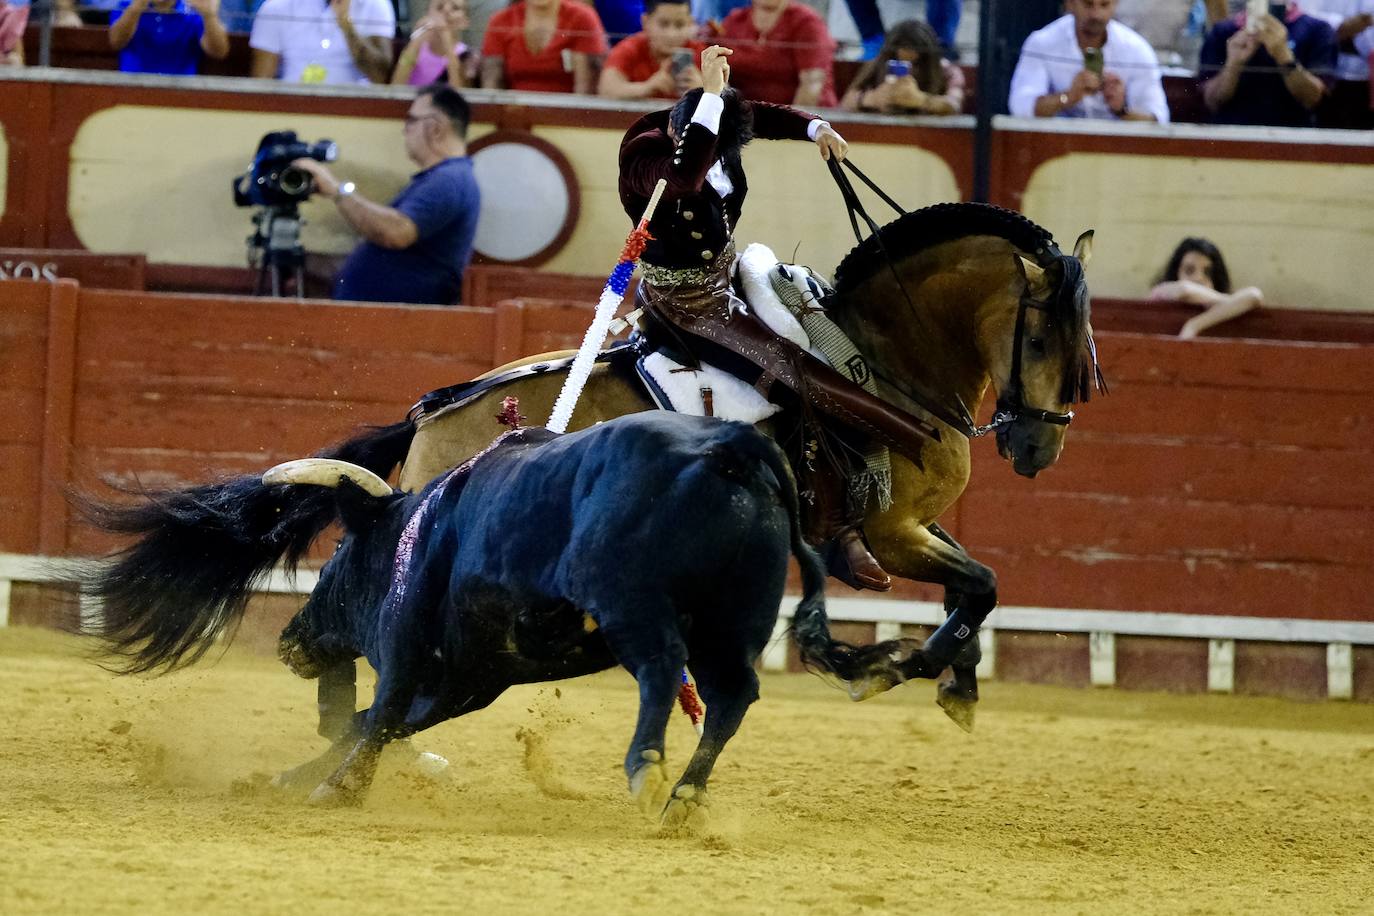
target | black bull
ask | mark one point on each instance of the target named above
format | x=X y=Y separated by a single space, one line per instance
x=654 y=541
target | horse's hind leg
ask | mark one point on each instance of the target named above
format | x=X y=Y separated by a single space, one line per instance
x=337 y=697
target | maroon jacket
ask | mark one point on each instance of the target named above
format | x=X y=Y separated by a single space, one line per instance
x=693 y=222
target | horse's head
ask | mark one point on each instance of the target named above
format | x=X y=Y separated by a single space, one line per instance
x=1047 y=360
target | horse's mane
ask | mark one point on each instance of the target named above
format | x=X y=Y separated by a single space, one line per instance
x=930 y=226
x=921 y=229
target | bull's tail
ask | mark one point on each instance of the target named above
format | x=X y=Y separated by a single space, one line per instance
x=810 y=625
x=187 y=578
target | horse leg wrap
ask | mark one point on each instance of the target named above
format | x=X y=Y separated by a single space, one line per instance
x=946 y=644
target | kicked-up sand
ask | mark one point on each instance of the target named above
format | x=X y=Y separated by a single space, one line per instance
x=125 y=795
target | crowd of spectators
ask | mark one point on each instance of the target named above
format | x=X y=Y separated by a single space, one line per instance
x=1266 y=63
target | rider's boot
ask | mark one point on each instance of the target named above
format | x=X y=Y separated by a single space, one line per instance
x=847 y=556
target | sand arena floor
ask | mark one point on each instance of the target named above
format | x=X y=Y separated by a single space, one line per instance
x=150 y=796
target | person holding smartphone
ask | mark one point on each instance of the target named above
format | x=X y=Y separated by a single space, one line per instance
x=1085 y=64
x=1271 y=64
x=909 y=76
x=660 y=61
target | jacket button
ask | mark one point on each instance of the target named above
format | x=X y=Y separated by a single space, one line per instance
x=707 y=254
x=696 y=235
x=677 y=162
x=688 y=214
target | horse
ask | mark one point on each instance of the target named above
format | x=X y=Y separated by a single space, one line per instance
x=942 y=303
x=511 y=569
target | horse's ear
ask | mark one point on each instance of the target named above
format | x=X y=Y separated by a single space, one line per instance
x=1083 y=248
x=1034 y=274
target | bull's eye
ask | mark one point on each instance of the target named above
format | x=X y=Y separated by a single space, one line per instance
x=1037 y=346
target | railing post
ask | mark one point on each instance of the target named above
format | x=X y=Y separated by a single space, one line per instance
x=59 y=396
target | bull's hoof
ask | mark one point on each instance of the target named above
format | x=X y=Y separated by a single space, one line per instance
x=650 y=786
x=333 y=795
x=687 y=810
x=958 y=706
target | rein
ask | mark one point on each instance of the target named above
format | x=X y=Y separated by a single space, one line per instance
x=1011 y=405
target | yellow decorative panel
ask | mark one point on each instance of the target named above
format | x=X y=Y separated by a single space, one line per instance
x=156 y=180
x=1301 y=231
x=792 y=198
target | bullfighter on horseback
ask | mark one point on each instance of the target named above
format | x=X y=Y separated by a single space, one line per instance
x=690 y=307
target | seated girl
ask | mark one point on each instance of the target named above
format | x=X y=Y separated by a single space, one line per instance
x=909 y=76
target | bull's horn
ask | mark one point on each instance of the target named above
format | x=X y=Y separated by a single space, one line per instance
x=325 y=472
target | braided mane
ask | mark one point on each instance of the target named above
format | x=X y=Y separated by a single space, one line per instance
x=921 y=229
x=929 y=226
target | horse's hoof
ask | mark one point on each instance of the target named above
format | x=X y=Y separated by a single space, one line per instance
x=649 y=787
x=687 y=810
x=868 y=687
x=957 y=706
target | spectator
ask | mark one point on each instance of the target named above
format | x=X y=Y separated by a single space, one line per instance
x=783 y=53
x=620 y=18
x=644 y=66
x=338 y=41
x=436 y=51
x=167 y=36
x=237 y=15
x=1353 y=21
x=1267 y=72
x=942 y=15
x=1196 y=274
x=543 y=46
x=416 y=249
x=932 y=84
x=1086 y=65
x=13 y=19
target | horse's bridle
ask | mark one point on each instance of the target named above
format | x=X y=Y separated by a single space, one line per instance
x=1011 y=403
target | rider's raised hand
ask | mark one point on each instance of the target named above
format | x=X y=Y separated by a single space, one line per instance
x=831 y=143
x=715 y=69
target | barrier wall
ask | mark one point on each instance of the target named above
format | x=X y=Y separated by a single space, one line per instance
x=117 y=163
x=1219 y=477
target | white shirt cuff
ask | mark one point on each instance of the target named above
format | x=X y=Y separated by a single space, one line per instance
x=814 y=128
x=707 y=114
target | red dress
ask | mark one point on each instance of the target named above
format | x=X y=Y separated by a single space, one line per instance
x=633 y=58
x=579 y=30
x=767 y=67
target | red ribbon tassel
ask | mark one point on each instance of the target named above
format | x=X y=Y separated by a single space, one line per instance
x=635 y=242
x=691 y=703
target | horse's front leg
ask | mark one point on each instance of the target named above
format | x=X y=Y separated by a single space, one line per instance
x=914 y=551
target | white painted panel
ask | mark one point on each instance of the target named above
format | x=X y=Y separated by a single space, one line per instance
x=1340 y=671
x=1221 y=665
x=1102 y=659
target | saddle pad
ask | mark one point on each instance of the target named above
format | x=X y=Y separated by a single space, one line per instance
x=675 y=387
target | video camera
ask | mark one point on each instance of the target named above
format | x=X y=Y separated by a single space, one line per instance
x=271 y=181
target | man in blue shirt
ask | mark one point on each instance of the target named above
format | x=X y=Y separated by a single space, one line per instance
x=1274 y=71
x=167 y=36
x=416 y=249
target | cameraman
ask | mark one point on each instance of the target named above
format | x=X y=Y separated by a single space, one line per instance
x=414 y=250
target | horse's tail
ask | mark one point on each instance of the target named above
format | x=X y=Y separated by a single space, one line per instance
x=187 y=578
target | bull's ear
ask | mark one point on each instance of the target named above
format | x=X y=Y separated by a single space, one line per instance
x=1083 y=248
x=1034 y=274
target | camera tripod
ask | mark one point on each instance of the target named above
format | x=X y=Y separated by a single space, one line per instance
x=275 y=248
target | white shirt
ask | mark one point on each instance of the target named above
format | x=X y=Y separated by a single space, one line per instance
x=307 y=37
x=1051 y=58
x=1334 y=12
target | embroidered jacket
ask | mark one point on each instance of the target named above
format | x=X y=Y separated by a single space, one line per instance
x=693 y=223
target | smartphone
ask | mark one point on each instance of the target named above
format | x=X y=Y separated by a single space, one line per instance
x=1092 y=60
x=1278 y=10
x=682 y=59
x=898 y=68
x=1254 y=10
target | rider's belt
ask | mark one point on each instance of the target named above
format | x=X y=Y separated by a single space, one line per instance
x=671 y=277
